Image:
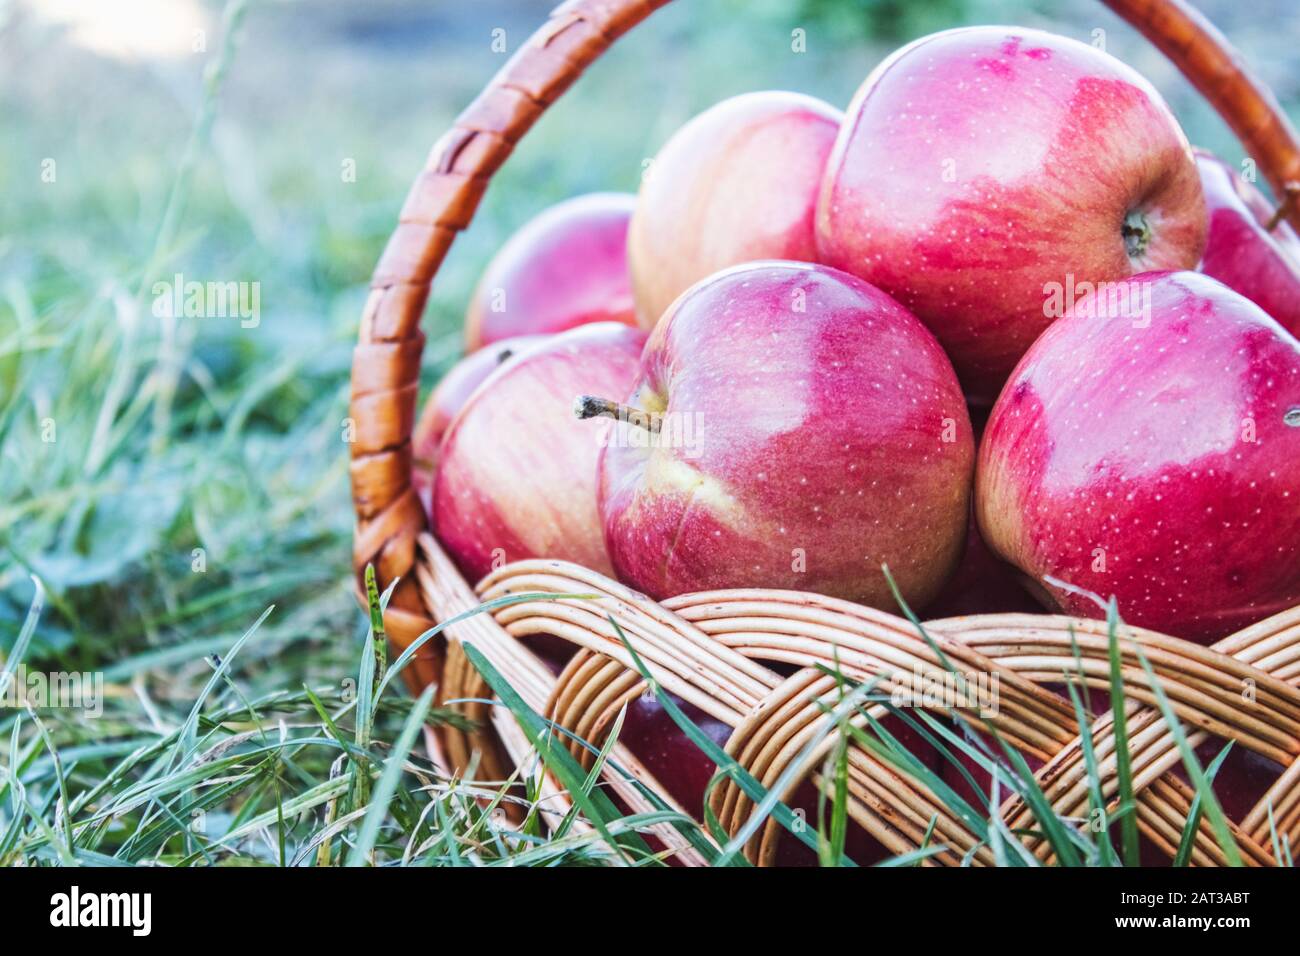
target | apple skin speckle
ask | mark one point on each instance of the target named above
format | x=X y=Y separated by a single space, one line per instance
x=1153 y=464
x=977 y=165
x=829 y=440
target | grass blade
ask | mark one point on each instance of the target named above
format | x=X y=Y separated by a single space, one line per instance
x=596 y=806
x=1184 y=854
x=388 y=781
x=1127 y=807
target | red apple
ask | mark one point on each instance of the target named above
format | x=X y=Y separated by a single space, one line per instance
x=810 y=430
x=735 y=184
x=1156 y=460
x=517 y=475
x=981 y=170
x=451 y=394
x=1241 y=252
x=564 y=268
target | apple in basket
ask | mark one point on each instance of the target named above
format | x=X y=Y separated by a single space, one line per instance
x=564 y=268
x=451 y=394
x=1241 y=251
x=981 y=168
x=516 y=474
x=735 y=184
x=790 y=427
x=1153 y=456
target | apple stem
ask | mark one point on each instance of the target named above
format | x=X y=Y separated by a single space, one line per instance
x=1137 y=234
x=1292 y=190
x=590 y=406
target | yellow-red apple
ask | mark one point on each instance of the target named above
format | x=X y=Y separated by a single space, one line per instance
x=517 y=475
x=791 y=427
x=450 y=395
x=735 y=184
x=978 y=169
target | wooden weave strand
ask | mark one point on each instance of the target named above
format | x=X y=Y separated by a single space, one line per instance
x=694 y=647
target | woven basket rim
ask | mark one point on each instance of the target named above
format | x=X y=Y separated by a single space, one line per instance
x=709 y=649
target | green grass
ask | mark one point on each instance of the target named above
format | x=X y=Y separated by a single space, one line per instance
x=331 y=774
x=178 y=488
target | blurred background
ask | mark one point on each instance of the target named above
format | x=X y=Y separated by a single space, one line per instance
x=169 y=478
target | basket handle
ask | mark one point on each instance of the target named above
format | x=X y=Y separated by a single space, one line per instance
x=1212 y=64
x=386 y=363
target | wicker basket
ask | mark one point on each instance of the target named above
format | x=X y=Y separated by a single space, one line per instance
x=713 y=649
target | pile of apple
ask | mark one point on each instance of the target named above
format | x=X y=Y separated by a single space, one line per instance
x=789 y=341
x=997 y=328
